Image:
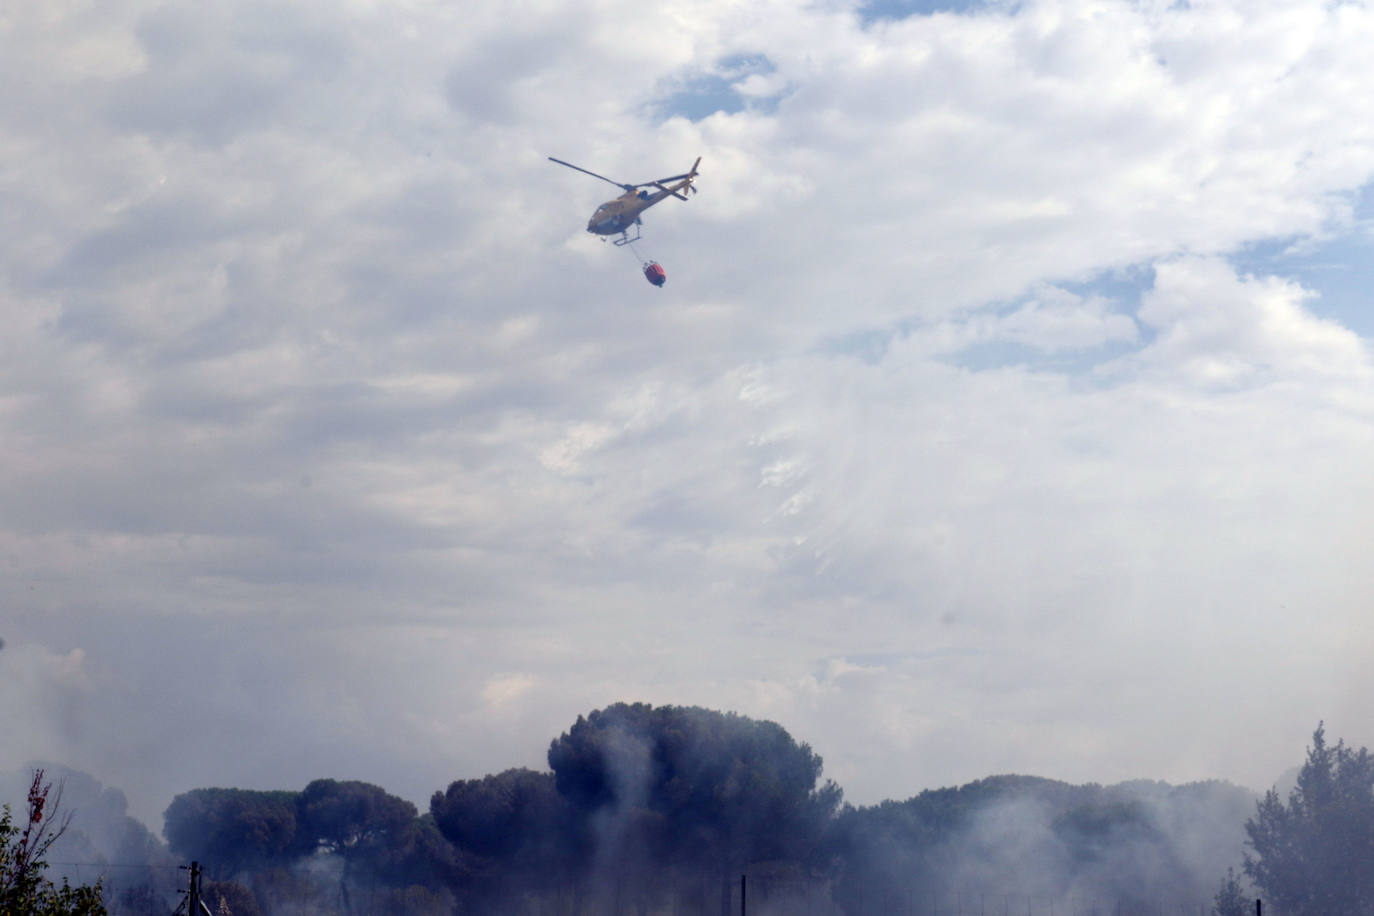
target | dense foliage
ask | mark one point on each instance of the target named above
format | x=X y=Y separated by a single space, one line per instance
x=518 y=834
x=695 y=786
x=319 y=848
x=642 y=806
x=1314 y=854
x=232 y=830
x=1231 y=899
x=25 y=889
x=1124 y=849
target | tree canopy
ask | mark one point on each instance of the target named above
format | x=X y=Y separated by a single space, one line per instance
x=231 y=830
x=516 y=818
x=349 y=817
x=1129 y=847
x=378 y=841
x=1231 y=899
x=1314 y=853
x=702 y=786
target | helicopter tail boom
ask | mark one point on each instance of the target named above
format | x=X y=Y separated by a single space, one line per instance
x=685 y=184
x=672 y=191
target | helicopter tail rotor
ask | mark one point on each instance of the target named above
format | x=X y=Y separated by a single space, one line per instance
x=687 y=180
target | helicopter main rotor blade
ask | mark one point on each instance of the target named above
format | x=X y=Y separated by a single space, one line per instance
x=657 y=182
x=626 y=187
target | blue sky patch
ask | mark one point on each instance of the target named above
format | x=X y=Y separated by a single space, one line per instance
x=1339 y=269
x=1006 y=354
x=704 y=95
x=1121 y=288
x=879 y=10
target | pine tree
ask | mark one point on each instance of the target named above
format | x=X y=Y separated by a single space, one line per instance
x=1231 y=899
x=1314 y=855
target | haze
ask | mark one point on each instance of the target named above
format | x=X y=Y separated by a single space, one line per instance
x=1009 y=407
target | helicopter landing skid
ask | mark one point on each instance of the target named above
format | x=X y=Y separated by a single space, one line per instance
x=625 y=234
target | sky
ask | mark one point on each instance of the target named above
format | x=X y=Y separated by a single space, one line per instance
x=1009 y=407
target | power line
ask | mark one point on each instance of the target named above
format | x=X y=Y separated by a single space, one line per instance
x=113 y=865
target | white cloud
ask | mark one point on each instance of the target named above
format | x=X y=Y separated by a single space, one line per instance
x=504 y=689
x=1050 y=320
x=1218 y=328
x=310 y=371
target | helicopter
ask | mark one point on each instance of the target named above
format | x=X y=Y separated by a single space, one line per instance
x=622 y=213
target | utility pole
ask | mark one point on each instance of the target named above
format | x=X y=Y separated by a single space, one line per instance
x=192 y=904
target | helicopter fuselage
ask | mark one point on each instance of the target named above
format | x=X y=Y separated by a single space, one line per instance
x=617 y=216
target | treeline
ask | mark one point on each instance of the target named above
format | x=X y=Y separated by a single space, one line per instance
x=1133 y=848
x=661 y=809
x=657 y=810
x=642 y=808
